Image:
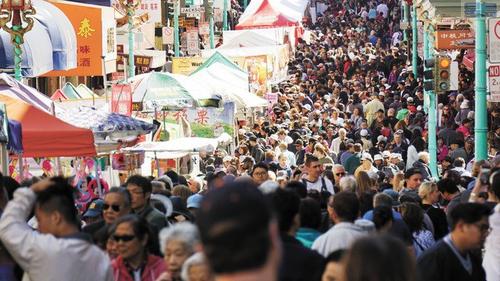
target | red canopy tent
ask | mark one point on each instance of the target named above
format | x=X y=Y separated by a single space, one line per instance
x=44 y=135
x=58 y=96
x=265 y=17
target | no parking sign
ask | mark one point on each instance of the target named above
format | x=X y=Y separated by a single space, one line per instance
x=494 y=40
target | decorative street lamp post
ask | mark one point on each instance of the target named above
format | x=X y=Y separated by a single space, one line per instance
x=15 y=19
x=130 y=6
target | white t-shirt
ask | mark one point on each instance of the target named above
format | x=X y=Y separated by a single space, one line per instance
x=317 y=185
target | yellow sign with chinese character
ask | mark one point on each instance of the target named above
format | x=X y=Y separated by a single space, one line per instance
x=87 y=23
x=85 y=29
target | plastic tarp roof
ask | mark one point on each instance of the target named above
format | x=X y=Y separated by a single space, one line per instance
x=248 y=38
x=70 y=91
x=14 y=89
x=44 y=135
x=272 y=13
x=229 y=83
x=85 y=92
x=50 y=45
x=218 y=58
x=165 y=89
x=62 y=35
x=176 y=145
x=106 y=125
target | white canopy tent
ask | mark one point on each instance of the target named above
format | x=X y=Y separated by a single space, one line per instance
x=231 y=84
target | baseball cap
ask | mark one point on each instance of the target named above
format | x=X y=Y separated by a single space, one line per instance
x=378 y=157
x=95 y=209
x=366 y=156
x=299 y=141
x=194 y=201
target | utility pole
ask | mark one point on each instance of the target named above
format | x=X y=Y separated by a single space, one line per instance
x=432 y=128
x=480 y=113
x=414 y=41
x=176 y=28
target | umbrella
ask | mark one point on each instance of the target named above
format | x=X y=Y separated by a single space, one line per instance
x=157 y=89
x=106 y=125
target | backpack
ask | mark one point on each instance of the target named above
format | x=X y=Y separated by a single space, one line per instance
x=324 y=194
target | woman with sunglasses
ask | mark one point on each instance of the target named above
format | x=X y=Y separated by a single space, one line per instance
x=133 y=238
x=116 y=205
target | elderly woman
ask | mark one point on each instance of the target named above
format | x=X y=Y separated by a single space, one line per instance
x=178 y=243
x=133 y=239
x=196 y=269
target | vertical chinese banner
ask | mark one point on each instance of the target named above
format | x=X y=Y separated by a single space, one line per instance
x=121 y=99
x=86 y=22
x=256 y=66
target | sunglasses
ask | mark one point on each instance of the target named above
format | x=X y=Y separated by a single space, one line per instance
x=340 y=174
x=124 y=238
x=115 y=208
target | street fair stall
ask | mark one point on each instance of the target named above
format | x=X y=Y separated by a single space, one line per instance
x=230 y=84
x=266 y=65
x=105 y=125
x=181 y=155
x=44 y=135
x=157 y=91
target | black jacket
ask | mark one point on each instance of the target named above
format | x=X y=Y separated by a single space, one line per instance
x=299 y=263
x=439 y=263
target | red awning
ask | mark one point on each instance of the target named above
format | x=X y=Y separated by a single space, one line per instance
x=58 y=96
x=44 y=135
x=469 y=60
x=265 y=17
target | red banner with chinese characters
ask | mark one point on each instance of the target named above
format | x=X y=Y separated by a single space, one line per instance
x=121 y=99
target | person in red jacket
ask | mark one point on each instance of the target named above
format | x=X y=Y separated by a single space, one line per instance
x=133 y=240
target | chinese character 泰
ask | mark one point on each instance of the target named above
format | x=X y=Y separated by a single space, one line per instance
x=85 y=30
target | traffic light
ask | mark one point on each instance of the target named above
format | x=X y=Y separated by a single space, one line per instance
x=443 y=74
x=429 y=74
x=170 y=9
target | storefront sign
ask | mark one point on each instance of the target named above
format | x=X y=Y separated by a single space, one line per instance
x=95 y=38
x=454 y=39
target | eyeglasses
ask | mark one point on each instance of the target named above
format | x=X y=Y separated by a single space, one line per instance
x=115 y=208
x=483 y=227
x=124 y=238
x=260 y=174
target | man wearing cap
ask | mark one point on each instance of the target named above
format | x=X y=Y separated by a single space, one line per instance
x=457 y=150
x=400 y=145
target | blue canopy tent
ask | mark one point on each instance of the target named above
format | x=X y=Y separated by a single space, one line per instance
x=15 y=144
x=50 y=45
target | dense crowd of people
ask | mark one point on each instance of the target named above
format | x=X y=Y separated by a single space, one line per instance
x=333 y=184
